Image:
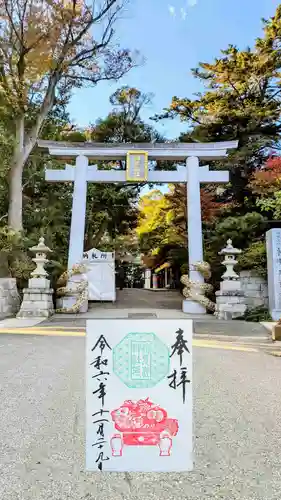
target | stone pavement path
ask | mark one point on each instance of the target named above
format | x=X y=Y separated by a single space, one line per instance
x=137 y=298
x=237 y=430
x=208 y=327
x=146 y=304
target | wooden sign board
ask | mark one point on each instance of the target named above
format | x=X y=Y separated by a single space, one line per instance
x=139 y=395
x=137 y=166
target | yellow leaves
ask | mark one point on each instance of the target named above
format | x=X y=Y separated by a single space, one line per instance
x=174 y=103
x=73 y=5
x=38 y=64
x=46 y=41
x=158 y=220
x=155 y=251
x=170 y=216
x=152 y=208
x=35 y=38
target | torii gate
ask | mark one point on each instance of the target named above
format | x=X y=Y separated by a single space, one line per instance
x=137 y=156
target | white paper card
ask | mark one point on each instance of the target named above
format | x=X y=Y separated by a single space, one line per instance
x=139 y=395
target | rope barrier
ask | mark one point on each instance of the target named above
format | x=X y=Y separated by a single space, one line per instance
x=195 y=290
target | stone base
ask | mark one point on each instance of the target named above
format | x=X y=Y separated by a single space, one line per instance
x=275 y=314
x=230 y=297
x=69 y=301
x=276 y=332
x=230 y=311
x=230 y=286
x=37 y=303
x=42 y=283
x=230 y=305
x=9 y=298
x=192 y=307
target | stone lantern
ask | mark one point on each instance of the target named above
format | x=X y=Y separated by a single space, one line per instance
x=39 y=275
x=230 y=300
x=230 y=253
x=38 y=297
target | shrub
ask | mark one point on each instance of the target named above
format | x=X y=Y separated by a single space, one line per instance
x=254 y=258
x=256 y=315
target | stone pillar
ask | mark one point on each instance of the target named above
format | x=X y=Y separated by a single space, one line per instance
x=273 y=249
x=78 y=214
x=77 y=234
x=147 y=279
x=195 y=235
x=230 y=298
x=38 y=297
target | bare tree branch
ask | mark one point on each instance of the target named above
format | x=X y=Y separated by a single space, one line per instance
x=10 y=17
x=46 y=49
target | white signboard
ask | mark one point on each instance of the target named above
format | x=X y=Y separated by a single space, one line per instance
x=95 y=255
x=100 y=274
x=139 y=395
x=273 y=248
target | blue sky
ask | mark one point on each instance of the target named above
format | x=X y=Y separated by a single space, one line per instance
x=172 y=46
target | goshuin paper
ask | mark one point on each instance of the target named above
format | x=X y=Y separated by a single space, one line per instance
x=139 y=395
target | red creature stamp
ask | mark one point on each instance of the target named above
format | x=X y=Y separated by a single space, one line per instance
x=142 y=423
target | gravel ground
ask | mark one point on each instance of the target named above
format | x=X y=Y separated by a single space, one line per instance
x=237 y=428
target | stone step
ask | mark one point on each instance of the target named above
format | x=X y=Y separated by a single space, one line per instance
x=204 y=327
x=228 y=328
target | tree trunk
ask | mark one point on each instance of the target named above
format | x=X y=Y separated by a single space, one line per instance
x=23 y=147
x=15 y=196
x=92 y=240
x=99 y=234
x=15 y=179
x=15 y=187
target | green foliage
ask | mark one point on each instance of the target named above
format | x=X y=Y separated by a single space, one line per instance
x=240 y=229
x=111 y=209
x=242 y=101
x=124 y=124
x=160 y=230
x=14 y=260
x=271 y=204
x=184 y=269
x=256 y=315
x=247 y=233
x=111 y=212
x=266 y=185
x=254 y=258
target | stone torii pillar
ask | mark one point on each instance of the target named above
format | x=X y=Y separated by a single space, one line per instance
x=195 y=176
x=78 y=218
